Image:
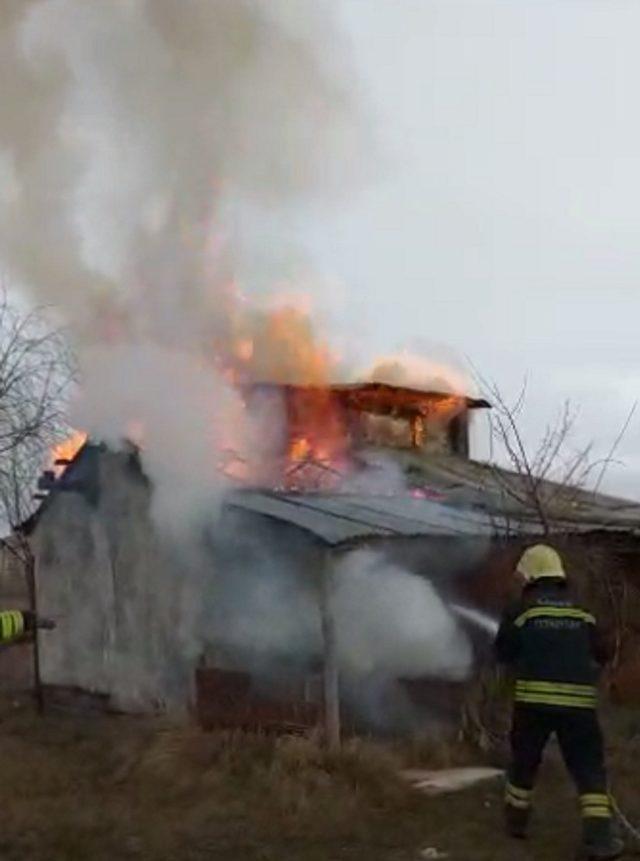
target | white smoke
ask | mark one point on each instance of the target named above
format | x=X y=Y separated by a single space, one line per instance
x=379 y=475
x=186 y=410
x=393 y=623
x=126 y=121
x=415 y=371
x=129 y=130
x=269 y=614
x=389 y=622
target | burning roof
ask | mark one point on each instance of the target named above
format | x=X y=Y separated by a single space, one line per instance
x=63 y=453
x=442 y=494
x=461 y=499
x=382 y=398
x=327 y=426
x=323 y=427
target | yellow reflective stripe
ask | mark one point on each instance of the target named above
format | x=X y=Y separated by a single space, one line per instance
x=574 y=695
x=555 y=687
x=517 y=792
x=594 y=798
x=556 y=700
x=517 y=802
x=595 y=805
x=517 y=797
x=596 y=813
x=581 y=698
x=556 y=693
x=11 y=624
x=554 y=613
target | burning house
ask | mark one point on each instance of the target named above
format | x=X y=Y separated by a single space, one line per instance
x=321 y=576
x=329 y=528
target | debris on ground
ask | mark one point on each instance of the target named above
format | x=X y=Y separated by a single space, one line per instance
x=433 y=853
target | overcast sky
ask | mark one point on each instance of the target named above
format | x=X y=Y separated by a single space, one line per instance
x=502 y=218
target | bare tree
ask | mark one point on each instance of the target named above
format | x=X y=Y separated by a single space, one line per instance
x=36 y=371
x=542 y=484
x=551 y=484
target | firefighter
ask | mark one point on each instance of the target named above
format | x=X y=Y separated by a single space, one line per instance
x=15 y=624
x=555 y=651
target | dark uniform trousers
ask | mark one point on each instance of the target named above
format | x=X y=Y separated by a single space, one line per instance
x=581 y=742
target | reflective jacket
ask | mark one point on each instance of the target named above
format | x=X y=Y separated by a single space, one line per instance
x=553 y=646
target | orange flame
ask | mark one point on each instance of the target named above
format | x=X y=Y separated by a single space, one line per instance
x=300 y=449
x=277 y=345
x=280 y=345
x=66 y=451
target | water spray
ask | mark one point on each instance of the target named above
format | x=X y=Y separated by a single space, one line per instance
x=476 y=617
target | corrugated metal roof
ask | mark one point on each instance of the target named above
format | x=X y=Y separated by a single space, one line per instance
x=342 y=518
x=486 y=487
x=468 y=500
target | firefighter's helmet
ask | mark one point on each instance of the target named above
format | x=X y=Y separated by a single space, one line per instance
x=540 y=562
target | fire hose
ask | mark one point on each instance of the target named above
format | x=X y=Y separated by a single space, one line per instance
x=630 y=829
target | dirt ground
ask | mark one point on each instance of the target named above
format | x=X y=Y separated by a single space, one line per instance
x=123 y=788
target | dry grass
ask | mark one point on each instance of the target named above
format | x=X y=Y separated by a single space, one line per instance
x=436 y=749
x=124 y=788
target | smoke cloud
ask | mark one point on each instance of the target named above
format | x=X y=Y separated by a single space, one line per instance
x=125 y=123
x=391 y=622
x=131 y=131
x=183 y=412
x=416 y=372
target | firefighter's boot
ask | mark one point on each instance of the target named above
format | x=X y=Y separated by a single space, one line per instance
x=516 y=821
x=601 y=840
